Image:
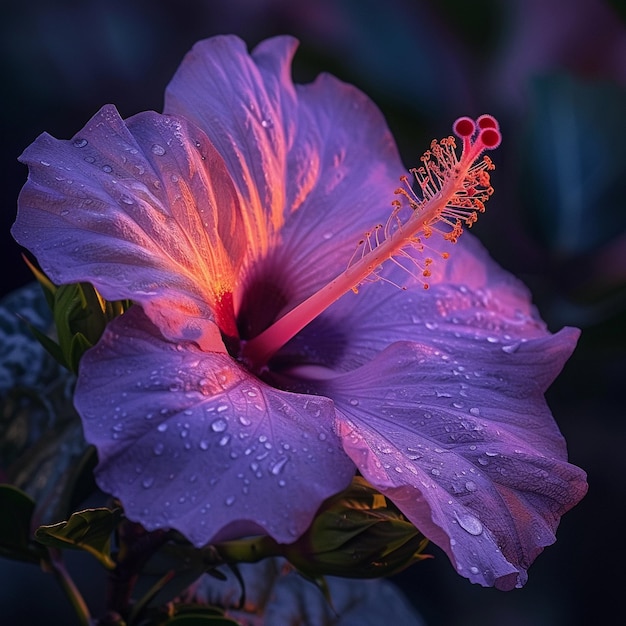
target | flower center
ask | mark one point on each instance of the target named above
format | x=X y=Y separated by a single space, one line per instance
x=452 y=191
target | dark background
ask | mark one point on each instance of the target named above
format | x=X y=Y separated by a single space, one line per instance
x=552 y=71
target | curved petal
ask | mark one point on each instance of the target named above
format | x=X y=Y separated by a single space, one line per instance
x=189 y=440
x=143 y=209
x=463 y=443
x=470 y=297
x=316 y=165
x=247 y=111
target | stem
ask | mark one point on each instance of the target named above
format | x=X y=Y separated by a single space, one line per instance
x=57 y=567
x=248 y=550
x=136 y=547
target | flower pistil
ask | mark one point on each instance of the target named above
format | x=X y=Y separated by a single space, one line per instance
x=452 y=191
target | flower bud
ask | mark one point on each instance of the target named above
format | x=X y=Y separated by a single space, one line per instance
x=357 y=534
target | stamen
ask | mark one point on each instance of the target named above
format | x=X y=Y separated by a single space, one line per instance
x=451 y=192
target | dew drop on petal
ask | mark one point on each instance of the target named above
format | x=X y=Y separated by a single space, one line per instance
x=469 y=523
x=158 y=449
x=219 y=426
x=162 y=427
x=278 y=467
x=147 y=482
x=470 y=485
x=80 y=143
x=158 y=149
x=229 y=501
x=511 y=349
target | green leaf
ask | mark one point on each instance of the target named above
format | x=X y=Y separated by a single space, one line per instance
x=88 y=530
x=15 y=539
x=186 y=561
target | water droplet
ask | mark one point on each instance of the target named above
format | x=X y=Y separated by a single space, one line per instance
x=158 y=449
x=322 y=436
x=354 y=402
x=435 y=471
x=45 y=163
x=224 y=440
x=80 y=143
x=512 y=348
x=221 y=408
x=475 y=411
x=474 y=569
x=229 y=501
x=244 y=420
x=267 y=123
x=107 y=168
x=469 y=523
x=278 y=467
x=219 y=426
x=89 y=159
x=470 y=485
x=158 y=149
x=147 y=482
x=431 y=325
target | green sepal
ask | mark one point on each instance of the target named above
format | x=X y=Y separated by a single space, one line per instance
x=15 y=538
x=88 y=530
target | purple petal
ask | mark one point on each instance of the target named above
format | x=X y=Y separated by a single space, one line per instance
x=470 y=297
x=190 y=440
x=316 y=165
x=143 y=209
x=461 y=439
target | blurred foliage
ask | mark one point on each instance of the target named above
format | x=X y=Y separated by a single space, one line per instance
x=575 y=154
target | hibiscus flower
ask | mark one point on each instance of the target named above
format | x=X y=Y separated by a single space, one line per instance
x=242 y=389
